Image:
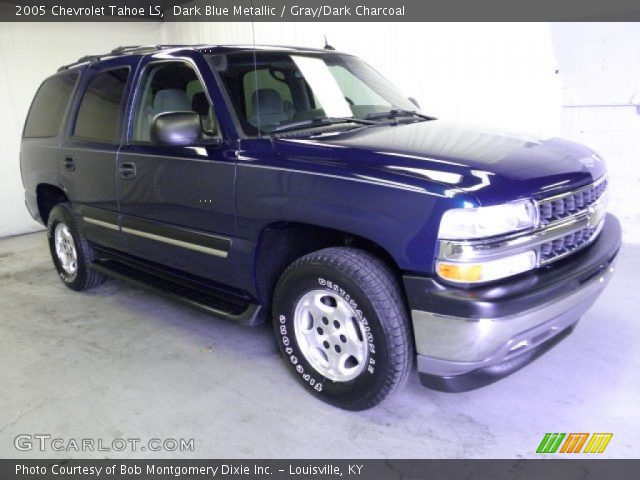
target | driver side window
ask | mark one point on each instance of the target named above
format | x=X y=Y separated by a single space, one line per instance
x=171 y=87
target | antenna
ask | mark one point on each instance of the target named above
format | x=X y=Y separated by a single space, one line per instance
x=255 y=69
x=326 y=44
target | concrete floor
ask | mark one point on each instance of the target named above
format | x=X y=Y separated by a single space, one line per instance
x=117 y=362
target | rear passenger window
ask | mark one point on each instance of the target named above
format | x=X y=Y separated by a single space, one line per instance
x=49 y=105
x=99 y=113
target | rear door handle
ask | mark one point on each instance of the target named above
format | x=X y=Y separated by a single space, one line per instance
x=69 y=163
x=127 y=170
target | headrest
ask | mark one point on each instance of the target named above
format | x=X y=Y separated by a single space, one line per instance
x=200 y=104
x=266 y=101
x=171 y=100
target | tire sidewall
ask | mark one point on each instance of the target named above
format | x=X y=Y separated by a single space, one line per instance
x=309 y=277
x=62 y=214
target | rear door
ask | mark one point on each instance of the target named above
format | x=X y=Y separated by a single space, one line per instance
x=177 y=202
x=87 y=157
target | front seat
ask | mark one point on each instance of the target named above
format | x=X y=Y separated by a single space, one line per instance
x=269 y=109
x=200 y=105
x=171 y=100
x=167 y=100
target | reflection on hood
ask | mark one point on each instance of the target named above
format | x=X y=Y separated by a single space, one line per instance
x=443 y=139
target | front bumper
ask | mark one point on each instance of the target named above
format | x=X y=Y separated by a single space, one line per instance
x=466 y=338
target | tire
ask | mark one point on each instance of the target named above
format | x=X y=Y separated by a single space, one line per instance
x=73 y=254
x=342 y=327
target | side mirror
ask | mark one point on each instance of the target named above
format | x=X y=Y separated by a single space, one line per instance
x=176 y=128
x=414 y=101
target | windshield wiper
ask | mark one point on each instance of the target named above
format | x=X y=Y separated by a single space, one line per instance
x=319 y=122
x=398 y=113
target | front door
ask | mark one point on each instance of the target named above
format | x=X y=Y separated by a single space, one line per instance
x=177 y=202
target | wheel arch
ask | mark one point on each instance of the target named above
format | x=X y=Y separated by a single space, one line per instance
x=48 y=196
x=281 y=243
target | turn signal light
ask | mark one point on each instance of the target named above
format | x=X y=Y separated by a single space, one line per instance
x=488 y=270
x=460 y=273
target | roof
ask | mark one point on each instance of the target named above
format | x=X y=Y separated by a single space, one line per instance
x=150 y=49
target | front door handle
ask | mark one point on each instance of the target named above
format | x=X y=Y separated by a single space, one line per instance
x=69 y=163
x=127 y=170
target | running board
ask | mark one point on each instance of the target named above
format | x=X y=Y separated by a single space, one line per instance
x=209 y=300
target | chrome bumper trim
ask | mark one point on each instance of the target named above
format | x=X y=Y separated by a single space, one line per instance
x=449 y=346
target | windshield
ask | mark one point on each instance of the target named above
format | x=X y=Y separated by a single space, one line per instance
x=290 y=89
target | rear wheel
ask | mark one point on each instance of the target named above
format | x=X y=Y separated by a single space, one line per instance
x=342 y=327
x=71 y=252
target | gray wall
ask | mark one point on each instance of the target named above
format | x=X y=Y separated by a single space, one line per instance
x=29 y=52
x=600 y=69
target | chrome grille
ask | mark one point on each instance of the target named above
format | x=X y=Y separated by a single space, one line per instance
x=563 y=246
x=563 y=208
x=565 y=205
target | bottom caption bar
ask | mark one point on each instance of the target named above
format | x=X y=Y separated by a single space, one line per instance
x=548 y=469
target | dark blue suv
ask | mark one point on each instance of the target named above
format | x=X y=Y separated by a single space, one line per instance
x=300 y=186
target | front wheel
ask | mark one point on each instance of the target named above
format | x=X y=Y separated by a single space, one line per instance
x=342 y=327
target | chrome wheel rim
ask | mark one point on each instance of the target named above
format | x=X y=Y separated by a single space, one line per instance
x=65 y=249
x=330 y=335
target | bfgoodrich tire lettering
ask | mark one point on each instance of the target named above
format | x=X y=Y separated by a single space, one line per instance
x=78 y=276
x=367 y=286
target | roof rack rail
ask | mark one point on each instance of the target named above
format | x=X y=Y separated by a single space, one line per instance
x=141 y=48
x=123 y=50
x=132 y=48
x=85 y=59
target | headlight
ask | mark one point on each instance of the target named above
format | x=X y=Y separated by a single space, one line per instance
x=469 y=223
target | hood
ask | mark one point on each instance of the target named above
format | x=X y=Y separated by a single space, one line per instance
x=493 y=165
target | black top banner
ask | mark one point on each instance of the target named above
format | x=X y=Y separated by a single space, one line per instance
x=318 y=10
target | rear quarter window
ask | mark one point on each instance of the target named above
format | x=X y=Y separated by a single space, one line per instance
x=99 y=113
x=48 y=106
